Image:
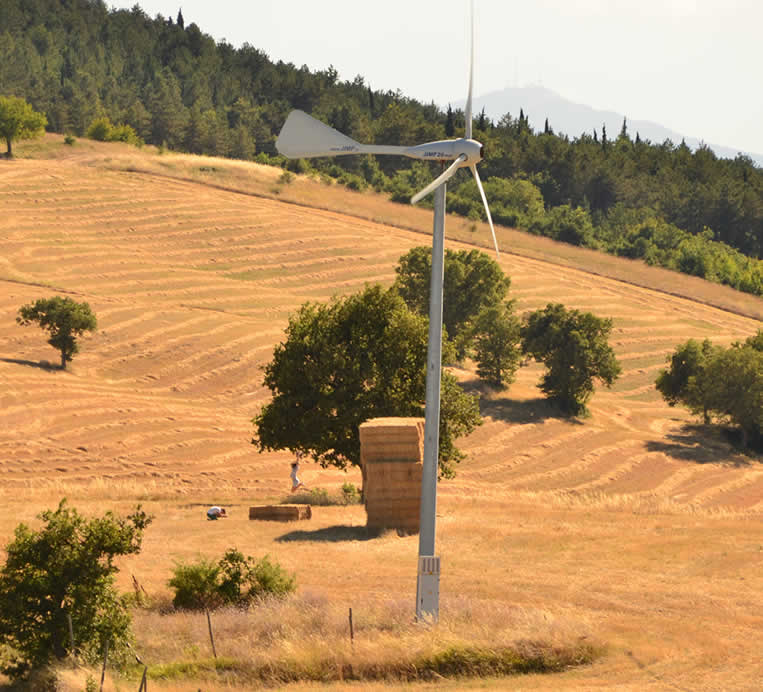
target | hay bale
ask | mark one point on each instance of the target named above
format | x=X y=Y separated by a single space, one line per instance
x=392 y=456
x=281 y=512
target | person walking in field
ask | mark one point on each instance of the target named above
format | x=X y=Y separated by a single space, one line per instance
x=214 y=513
x=296 y=484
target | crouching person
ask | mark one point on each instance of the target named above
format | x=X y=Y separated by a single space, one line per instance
x=214 y=513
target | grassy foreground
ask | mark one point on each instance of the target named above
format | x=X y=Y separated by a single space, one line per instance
x=307 y=639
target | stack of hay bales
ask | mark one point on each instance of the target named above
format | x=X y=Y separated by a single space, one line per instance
x=392 y=458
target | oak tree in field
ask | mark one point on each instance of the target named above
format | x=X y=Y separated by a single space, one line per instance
x=734 y=379
x=344 y=362
x=65 y=569
x=472 y=281
x=64 y=319
x=721 y=383
x=684 y=382
x=574 y=348
x=496 y=345
x=18 y=120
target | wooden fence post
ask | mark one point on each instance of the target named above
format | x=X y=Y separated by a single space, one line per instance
x=352 y=631
x=211 y=636
x=144 y=681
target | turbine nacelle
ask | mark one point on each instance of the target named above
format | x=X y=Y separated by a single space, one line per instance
x=302 y=136
x=468 y=150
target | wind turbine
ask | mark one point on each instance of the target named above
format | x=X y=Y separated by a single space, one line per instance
x=305 y=137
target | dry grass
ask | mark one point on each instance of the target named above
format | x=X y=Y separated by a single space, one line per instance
x=308 y=638
x=263 y=181
x=636 y=527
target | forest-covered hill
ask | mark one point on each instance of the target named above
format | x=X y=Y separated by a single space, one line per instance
x=76 y=61
x=540 y=103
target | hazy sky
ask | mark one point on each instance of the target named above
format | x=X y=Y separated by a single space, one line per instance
x=693 y=66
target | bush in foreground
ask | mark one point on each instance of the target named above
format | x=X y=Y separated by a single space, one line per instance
x=235 y=580
x=65 y=569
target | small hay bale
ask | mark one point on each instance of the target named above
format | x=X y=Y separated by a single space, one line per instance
x=281 y=512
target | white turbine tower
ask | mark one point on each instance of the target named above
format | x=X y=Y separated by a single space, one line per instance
x=304 y=137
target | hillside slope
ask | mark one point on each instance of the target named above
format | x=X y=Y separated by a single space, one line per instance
x=634 y=528
x=193 y=285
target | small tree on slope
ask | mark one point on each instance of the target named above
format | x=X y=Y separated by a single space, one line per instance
x=64 y=319
x=573 y=346
x=18 y=120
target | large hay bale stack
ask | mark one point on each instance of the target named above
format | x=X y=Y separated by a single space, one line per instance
x=392 y=458
x=281 y=512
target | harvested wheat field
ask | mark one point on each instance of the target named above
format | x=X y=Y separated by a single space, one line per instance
x=635 y=528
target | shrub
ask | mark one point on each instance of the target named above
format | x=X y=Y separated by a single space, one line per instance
x=350 y=494
x=196 y=586
x=124 y=133
x=298 y=166
x=99 y=129
x=70 y=140
x=318 y=497
x=372 y=173
x=235 y=580
x=66 y=569
x=103 y=130
x=353 y=182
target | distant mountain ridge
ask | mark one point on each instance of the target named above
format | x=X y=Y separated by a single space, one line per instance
x=573 y=119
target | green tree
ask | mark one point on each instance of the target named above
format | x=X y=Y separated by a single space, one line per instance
x=755 y=341
x=684 y=382
x=574 y=348
x=344 y=362
x=66 y=568
x=18 y=120
x=496 y=345
x=734 y=381
x=515 y=196
x=64 y=319
x=450 y=123
x=472 y=281
x=567 y=225
x=169 y=116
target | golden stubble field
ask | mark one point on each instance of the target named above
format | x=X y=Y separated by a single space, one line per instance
x=635 y=526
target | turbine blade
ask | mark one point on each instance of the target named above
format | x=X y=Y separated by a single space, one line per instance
x=468 y=108
x=487 y=209
x=302 y=136
x=449 y=172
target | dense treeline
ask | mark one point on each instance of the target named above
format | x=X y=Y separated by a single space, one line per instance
x=76 y=61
